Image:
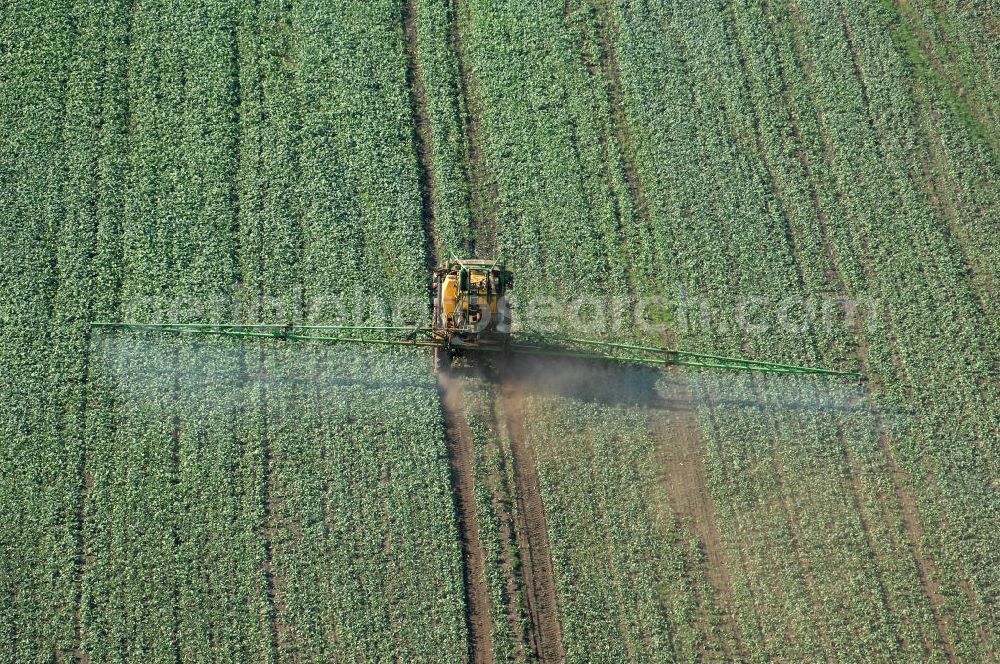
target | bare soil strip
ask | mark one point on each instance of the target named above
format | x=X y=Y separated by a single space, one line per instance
x=926 y=569
x=681 y=448
x=274 y=585
x=611 y=69
x=421 y=129
x=500 y=497
x=461 y=456
x=482 y=186
x=532 y=534
x=856 y=495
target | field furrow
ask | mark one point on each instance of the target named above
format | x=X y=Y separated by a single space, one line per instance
x=461 y=452
x=434 y=47
x=533 y=536
x=514 y=632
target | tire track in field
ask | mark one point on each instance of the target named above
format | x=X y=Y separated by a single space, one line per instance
x=482 y=185
x=421 y=133
x=933 y=259
x=947 y=64
x=923 y=181
x=941 y=188
x=862 y=249
x=458 y=435
x=274 y=585
x=852 y=483
x=513 y=585
x=800 y=571
x=84 y=560
x=741 y=638
x=461 y=457
x=683 y=468
x=681 y=450
x=501 y=492
x=174 y=472
x=619 y=139
x=529 y=531
x=545 y=631
x=926 y=568
x=797 y=551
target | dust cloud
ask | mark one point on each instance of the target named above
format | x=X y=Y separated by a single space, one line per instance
x=676 y=388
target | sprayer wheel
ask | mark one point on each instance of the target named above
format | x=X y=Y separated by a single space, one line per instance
x=446 y=358
x=442 y=359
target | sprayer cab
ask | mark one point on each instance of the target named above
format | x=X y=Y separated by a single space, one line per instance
x=470 y=304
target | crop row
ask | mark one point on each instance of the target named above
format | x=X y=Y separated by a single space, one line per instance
x=436 y=65
x=944 y=339
x=365 y=562
x=555 y=213
x=784 y=163
x=38 y=479
x=173 y=500
x=178 y=499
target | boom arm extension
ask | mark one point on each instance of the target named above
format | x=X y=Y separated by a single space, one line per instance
x=573 y=347
x=404 y=336
x=423 y=337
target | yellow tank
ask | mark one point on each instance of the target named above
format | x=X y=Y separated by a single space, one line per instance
x=449 y=297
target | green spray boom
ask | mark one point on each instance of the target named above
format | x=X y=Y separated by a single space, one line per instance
x=431 y=337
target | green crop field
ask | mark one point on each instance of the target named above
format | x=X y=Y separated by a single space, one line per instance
x=811 y=182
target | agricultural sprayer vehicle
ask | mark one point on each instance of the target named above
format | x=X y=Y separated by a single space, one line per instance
x=471 y=317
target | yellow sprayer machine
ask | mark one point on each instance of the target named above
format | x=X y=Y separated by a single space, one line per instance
x=472 y=317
